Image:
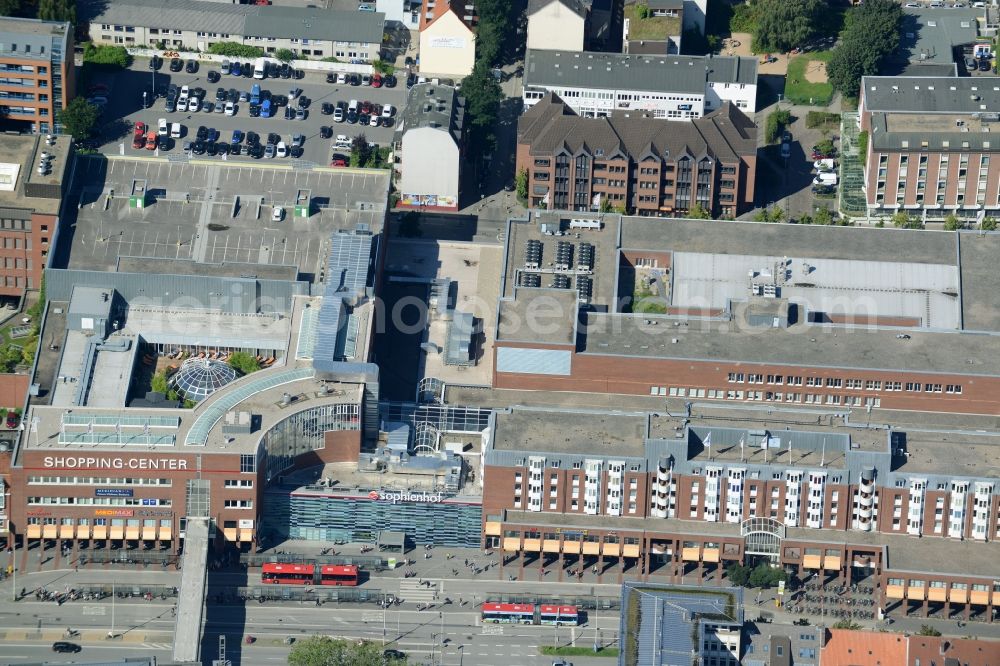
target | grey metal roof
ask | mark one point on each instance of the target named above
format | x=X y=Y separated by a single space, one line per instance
x=246 y=20
x=930 y=34
x=616 y=71
x=31 y=39
x=434 y=105
x=946 y=137
x=458 y=346
x=931 y=94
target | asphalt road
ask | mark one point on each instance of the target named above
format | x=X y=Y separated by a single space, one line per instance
x=125 y=108
x=28 y=628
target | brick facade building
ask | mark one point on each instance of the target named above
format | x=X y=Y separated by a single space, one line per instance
x=930 y=149
x=36 y=58
x=638 y=162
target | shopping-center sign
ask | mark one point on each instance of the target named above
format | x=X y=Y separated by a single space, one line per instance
x=93 y=462
x=397 y=497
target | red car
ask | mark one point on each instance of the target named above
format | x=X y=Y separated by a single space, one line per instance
x=377 y=81
x=139 y=136
x=151 y=140
x=338 y=160
x=366 y=107
x=12 y=420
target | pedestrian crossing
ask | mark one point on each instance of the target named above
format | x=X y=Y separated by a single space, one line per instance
x=157 y=646
x=411 y=591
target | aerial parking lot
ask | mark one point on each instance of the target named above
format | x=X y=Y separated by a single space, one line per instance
x=240 y=114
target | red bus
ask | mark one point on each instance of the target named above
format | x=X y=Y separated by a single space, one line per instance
x=559 y=615
x=287 y=574
x=509 y=613
x=335 y=574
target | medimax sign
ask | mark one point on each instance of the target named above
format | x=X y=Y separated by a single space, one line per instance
x=94 y=462
x=397 y=497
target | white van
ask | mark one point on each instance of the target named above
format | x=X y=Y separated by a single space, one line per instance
x=825 y=178
x=352 y=105
x=175 y=130
x=258 y=69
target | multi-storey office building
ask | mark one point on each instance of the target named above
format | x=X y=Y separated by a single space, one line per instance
x=930 y=149
x=30 y=197
x=36 y=73
x=634 y=161
x=730 y=311
x=195 y=25
x=662 y=496
x=673 y=87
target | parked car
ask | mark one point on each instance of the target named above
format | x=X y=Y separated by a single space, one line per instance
x=326 y=109
x=342 y=141
x=139 y=136
x=389 y=81
x=213 y=76
x=338 y=115
x=202 y=132
x=326 y=131
x=237 y=136
x=176 y=65
x=388 y=111
x=298 y=140
x=162 y=127
x=366 y=79
x=303 y=102
x=253 y=138
x=191 y=67
x=338 y=160
x=155 y=62
x=230 y=109
x=984 y=65
x=198 y=148
x=235 y=68
x=213 y=134
x=254 y=110
x=300 y=114
x=171 y=105
x=151 y=138
x=269 y=151
x=377 y=81
x=277 y=214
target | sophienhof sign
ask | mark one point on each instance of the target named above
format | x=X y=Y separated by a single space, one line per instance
x=397 y=497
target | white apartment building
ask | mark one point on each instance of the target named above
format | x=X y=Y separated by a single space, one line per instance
x=673 y=87
x=195 y=25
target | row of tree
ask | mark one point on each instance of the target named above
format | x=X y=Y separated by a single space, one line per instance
x=47 y=10
x=480 y=89
x=762 y=575
x=870 y=35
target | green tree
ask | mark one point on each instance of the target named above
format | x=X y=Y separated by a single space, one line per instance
x=285 y=55
x=327 y=651
x=361 y=152
x=699 y=212
x=9 y=7
x=159 y=383
x=482 y=96
x=383 y=67
x=244 y=362
x=107 y=56
x=236 y=50
x=521 y=184
x=606 y=205
x=928 y=630
x=79 y=118
x=846 y=624
x=774 y=214
x=870 y=34
x=822 y=216
x=737 y=574
x=764 y=575
x=952 y=223
x=28 y=353
x=989 y=224
x=409 y=225
x=57 y=10
x=642 y=11
x=776 y=123
x=784 y=24
x=904 y=220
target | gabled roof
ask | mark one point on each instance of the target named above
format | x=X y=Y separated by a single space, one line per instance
x=578 y=7
x=863 y=648
x=456 y=7
x=550 y=126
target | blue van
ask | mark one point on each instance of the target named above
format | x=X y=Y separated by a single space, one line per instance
x=255 y=94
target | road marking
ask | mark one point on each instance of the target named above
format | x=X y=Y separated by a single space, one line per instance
x=94 y=610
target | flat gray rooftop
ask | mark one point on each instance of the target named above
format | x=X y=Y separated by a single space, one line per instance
x=204 y=230
x=570 y=432
x=615 y=71
x=188 y=267
x=931 y=94
x=539 y=315
x=801 y=345
x=604 y=243
x=926 y=293
x=753 y=238
x=930 y=34
x=25 y=151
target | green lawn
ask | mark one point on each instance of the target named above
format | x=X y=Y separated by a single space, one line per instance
x=653 y=27
x=800 y=91
x=578 y=651
x=645 y=302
